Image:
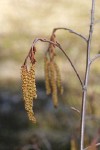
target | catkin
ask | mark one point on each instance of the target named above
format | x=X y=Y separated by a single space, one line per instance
x=47 y=76
x=53 y=84
x=52 y=80
x=31 y=82
x=29 y=90
x=24 y=73
x=58 y=79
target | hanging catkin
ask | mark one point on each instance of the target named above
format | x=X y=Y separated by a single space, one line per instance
x=47 y=75
x=29 y=90
x=53 y=84
x=58 y=78
x=32 y=84
x=24 y=75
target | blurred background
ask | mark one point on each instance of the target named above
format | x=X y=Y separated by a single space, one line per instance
x=56 y=129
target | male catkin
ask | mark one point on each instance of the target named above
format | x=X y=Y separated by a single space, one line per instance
x=24 y=74
x=47 y=75
x=58 y=78
x=53 y=84
x=29 y=90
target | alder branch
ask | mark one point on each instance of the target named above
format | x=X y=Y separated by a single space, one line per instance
x=71 y=65
x=59 y=46
x=25 y=61
x=87 y=71
x=94 y=58
x=71 y=31
x=33 y=44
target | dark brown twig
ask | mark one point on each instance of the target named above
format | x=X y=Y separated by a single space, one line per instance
x=25 y=61
x=59 y=46
x=71 y=64
x=71 y=31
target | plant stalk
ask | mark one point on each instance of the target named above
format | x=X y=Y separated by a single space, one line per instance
x=85 y=86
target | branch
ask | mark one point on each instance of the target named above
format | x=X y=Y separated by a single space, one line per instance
x=87 y=71
x=59 y=46
x=33 y=44
x=71 y=64
x=71 y=31
x=94 y=58
x=43 y=40
x=98 y=144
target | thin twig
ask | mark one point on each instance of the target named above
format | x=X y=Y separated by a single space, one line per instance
x=33 y=44
x=98 y=144
x=94 y=58
x=71 y=31
x=84 y=94
x=71 y=64
x=43 y=40
x=25 y=61
x=59 y=46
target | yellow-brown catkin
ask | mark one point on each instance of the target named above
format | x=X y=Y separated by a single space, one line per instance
x=58 y=79
x=29 y=90
x=53 y=84
x=31 y=83
x=24 y=74
x=47 y=76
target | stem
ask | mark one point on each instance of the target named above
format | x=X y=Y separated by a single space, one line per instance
x=71 y=31
x=84 y=94
x=25 y=61
x=71 y=64
x=59 y=46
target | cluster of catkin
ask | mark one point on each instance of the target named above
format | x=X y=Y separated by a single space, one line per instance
x=29 y=89
x=52 y=80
